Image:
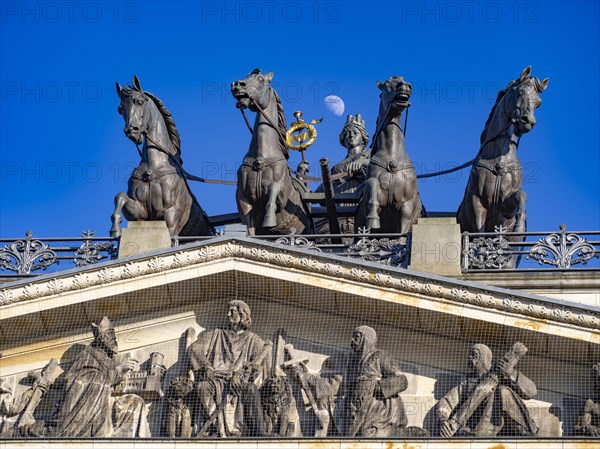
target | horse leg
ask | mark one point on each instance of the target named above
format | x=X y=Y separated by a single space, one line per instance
x=521 y=217
x=245 y=212
x=372 y=192
x=411 y=210
x=519 y=224
x=479 y=213
x=170 y=217
x=270 y=220
x=132 y=209
x=117 y=217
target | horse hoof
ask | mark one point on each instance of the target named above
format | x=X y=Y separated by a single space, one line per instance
x=373 y=223
x=270 y=222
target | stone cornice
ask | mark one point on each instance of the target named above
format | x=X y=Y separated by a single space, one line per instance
x=303 y=260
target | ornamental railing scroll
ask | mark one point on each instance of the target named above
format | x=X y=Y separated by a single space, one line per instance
x=30 y=256
x=538 y=251
x=388 y=249
x=500 y=250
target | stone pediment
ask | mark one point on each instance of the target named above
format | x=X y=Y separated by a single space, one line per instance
x=160 y=300
x=300 y=277
x=261 y=268
x=302 y=266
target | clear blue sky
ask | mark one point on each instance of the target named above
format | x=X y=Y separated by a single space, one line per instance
x=64 y=156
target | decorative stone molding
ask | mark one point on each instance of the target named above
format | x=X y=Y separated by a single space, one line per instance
x=304 y=261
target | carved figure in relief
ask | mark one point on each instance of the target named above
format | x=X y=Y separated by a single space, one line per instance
x=588 y=423
x=374 y=381
x=228 y=366
x=489 y=401
x=88 y=409
x=319 y=393
x=280 y=409
x=11 y=405
x=178 y=422
x=16 y=411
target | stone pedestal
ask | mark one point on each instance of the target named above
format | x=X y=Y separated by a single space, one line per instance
x=143 y=236
x=435 y=246
x=235 y=230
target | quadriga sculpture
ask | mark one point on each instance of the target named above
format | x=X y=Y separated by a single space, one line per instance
x=267 y=200
x=391 y=201
x=494 y=194
x=157 y=187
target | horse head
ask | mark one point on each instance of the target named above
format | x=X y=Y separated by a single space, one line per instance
x=252 y=90
x=395 y=93
x=135 y=109
x=521 y=99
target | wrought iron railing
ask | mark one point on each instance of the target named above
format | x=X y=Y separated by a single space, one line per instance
x=30 y=256
x=481 y=252
x=388 y=249
x=539 y=251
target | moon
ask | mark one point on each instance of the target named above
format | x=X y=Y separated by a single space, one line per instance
x=335 y=104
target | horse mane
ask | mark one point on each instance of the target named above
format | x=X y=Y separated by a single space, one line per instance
x=375 y=140
x=281 y=125
x=489 y=119
x=170 y=124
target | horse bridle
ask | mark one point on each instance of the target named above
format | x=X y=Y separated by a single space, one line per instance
x=514 y=119
x=180 y=168
x=266 y=117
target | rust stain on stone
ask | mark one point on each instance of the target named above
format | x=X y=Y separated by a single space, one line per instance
x=498 y=446
x=391 y=445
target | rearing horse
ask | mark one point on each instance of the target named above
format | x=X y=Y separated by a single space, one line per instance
x=391 y=201
x=267 y=201
x=494 y=194
x=157 y=189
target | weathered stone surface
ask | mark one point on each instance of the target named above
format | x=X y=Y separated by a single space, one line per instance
x=319 y=300
x=588 y=423
x=143 y=236
x=436 y=246
x=489 y=401
x=228 y=366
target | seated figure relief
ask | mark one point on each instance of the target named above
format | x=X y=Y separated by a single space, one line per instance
x=374 y=382
x=588 y=423
x=88 y=408
x=228 y=366
x=489 y=400
x=16 y=411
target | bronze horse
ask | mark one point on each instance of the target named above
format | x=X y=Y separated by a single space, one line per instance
x=391 y=202
x=267 y=201
x=157 y=188
x=494 y=194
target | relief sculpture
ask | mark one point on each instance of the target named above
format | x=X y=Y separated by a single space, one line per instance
x=489 y=401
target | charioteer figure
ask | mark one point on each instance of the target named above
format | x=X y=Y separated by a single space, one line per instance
x=348 y=175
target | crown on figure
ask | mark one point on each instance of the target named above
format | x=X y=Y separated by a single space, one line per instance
x=104 y=326
x=357 y=122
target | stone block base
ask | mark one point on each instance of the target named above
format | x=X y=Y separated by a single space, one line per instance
x=143 y=236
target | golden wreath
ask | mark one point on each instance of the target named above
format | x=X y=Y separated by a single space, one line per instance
x=292 y=143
